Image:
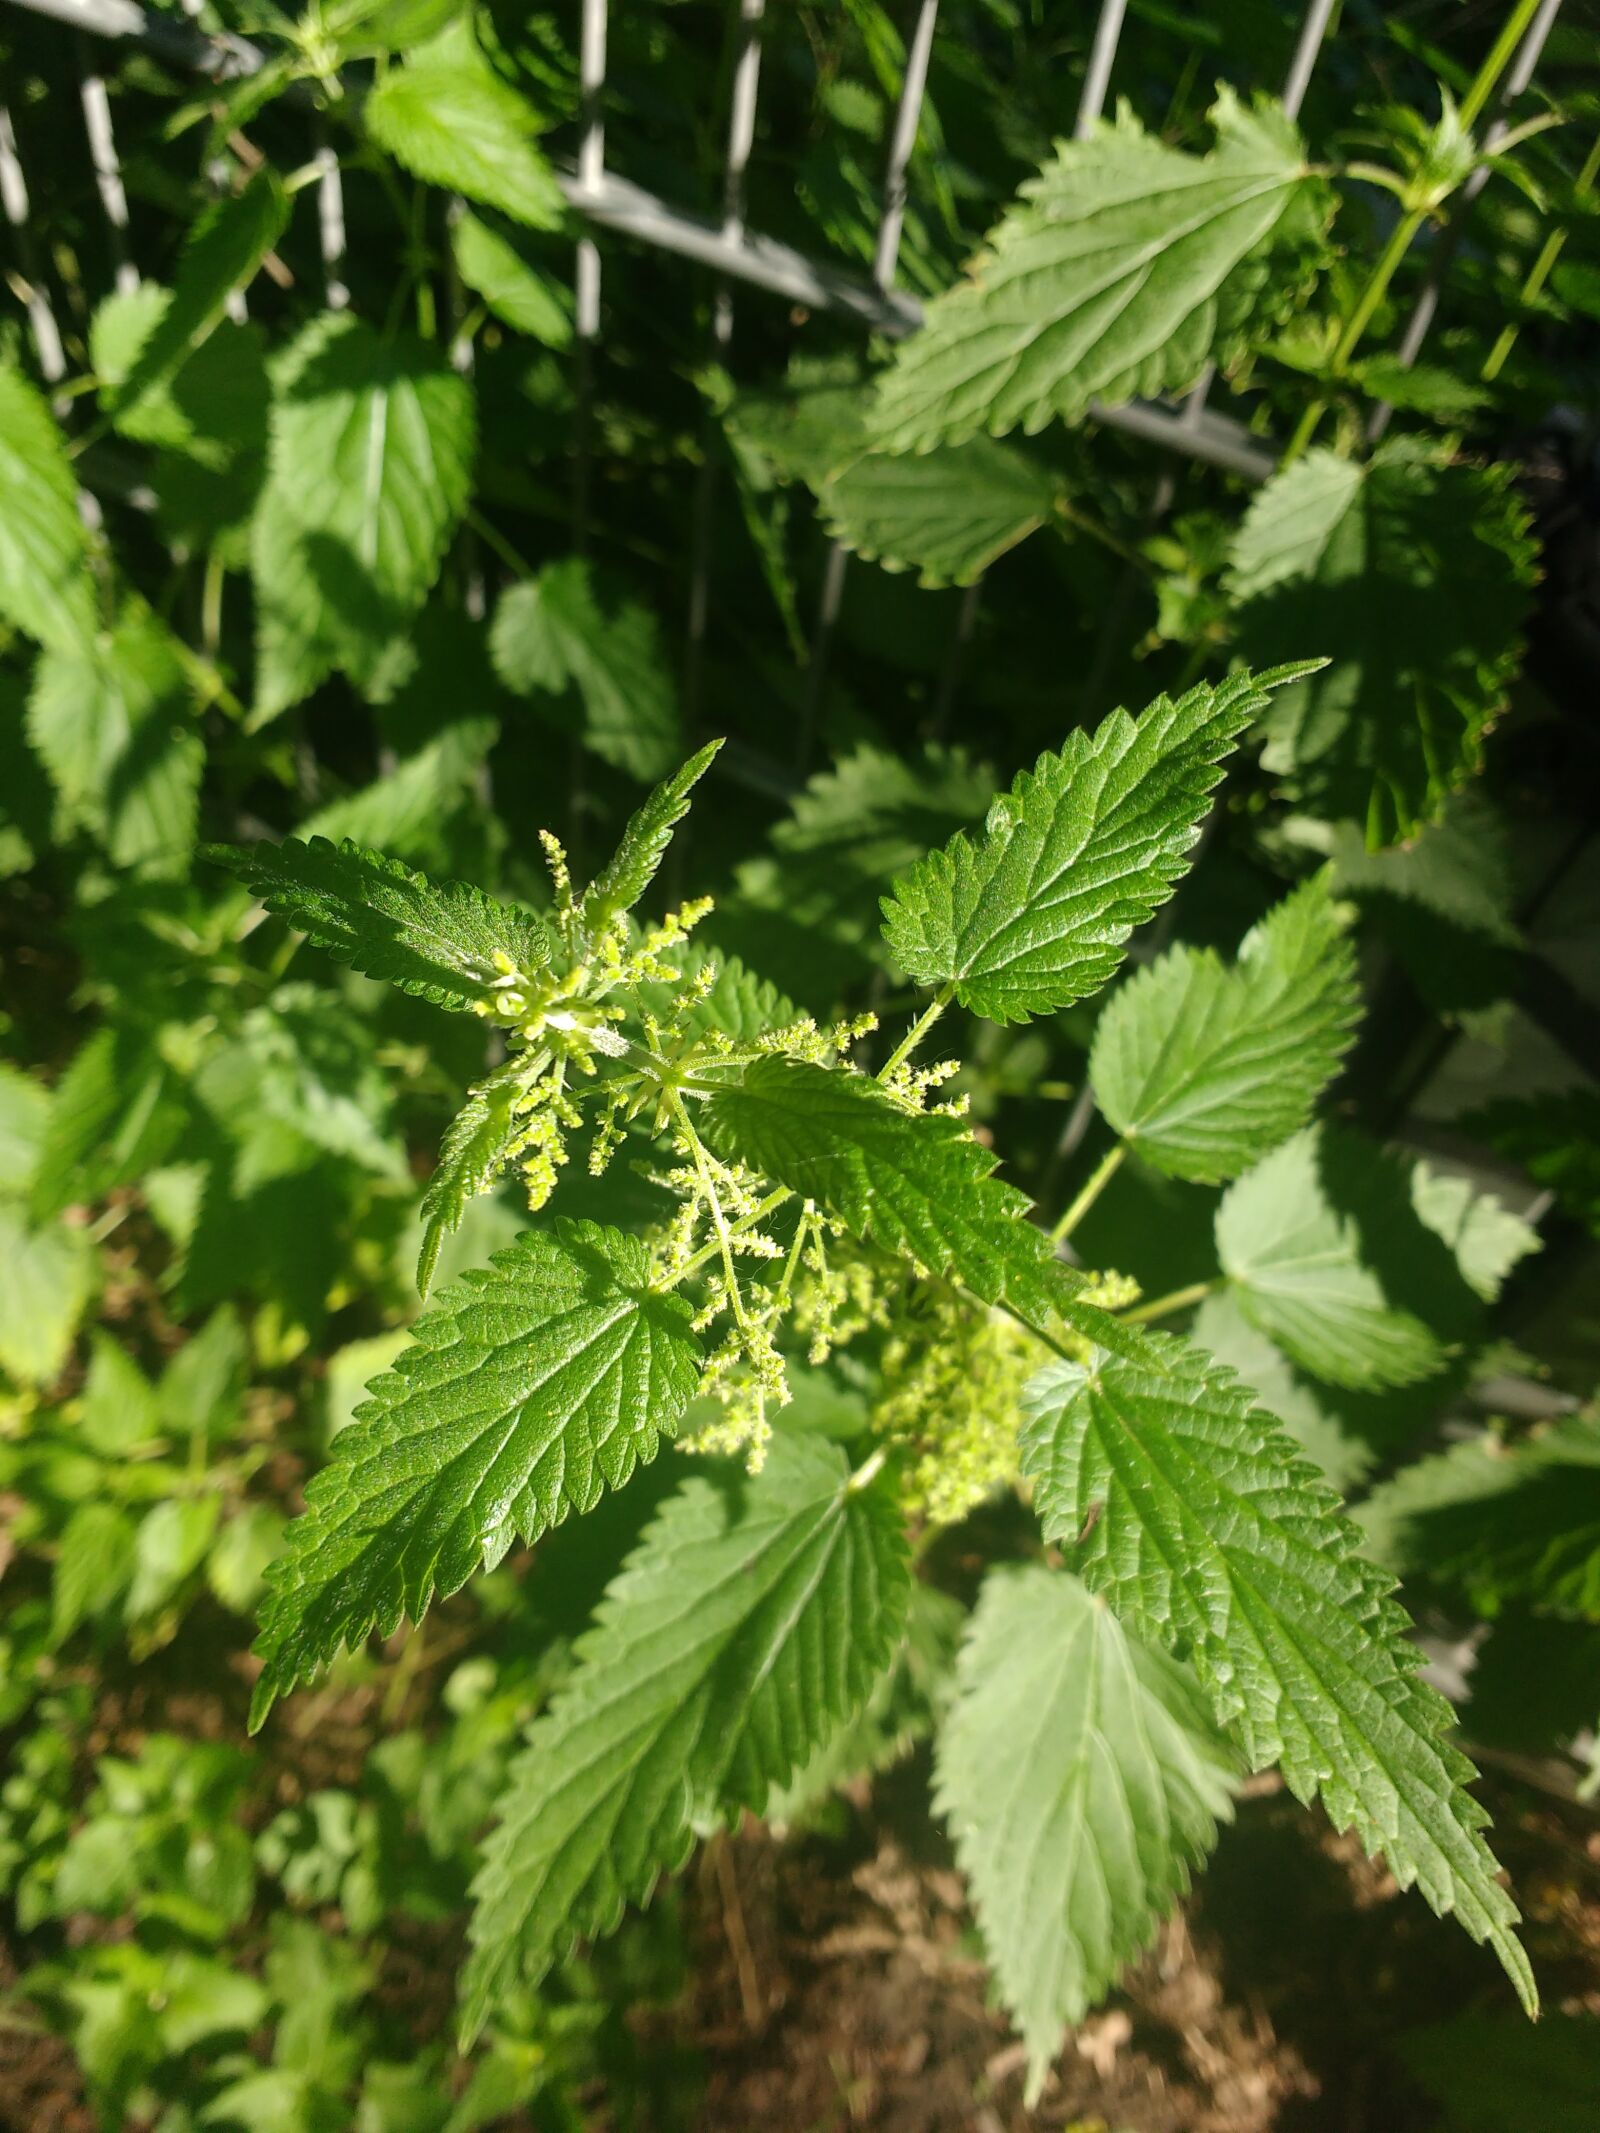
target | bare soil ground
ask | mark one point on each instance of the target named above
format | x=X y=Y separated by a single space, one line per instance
x=837 y=1983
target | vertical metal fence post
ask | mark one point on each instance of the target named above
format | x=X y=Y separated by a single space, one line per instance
x=1097 y=76
x=586 y=332
x=1519 y=77
x=41 y=315
x=107 y=170
x=741 y=138
x=586 y=322
x=330 y=219
x=902 y=141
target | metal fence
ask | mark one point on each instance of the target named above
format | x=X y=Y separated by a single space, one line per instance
x=737 y=255
x=1193 y=430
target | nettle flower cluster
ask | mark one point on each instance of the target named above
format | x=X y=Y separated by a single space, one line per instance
x=562 y=1018
x=614 y=1036
x=620 y=1017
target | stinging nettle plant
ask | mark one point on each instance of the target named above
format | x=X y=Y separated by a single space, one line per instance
x=1203 y=1606
x=777 y=1243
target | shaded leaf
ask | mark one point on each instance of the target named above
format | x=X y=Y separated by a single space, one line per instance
x=1362 y=1269
x=1415 y=572
x=49 y=1274
x=1083 y=1778
x=369 y=470
x=753 y=1620
x=1197 y=1519
x=946 y=514
x=45 y=587
x=515 y=290
x=562 y=630
x=113 y=722
x=1500 y=1523
x=221 y=253
x=1206 y=1068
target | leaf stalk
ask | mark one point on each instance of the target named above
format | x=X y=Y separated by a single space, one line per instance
x=1099 y=1178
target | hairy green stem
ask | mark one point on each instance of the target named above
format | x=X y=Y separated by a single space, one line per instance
x=918 y=1030
x=708 y=1252
x=1404 y=232
x=1099 y=1178
x=1541 y=269
x=1500 y=56
x=868 y=1471
x=719 y=1221
x=1167 y=1306
x=492 y=537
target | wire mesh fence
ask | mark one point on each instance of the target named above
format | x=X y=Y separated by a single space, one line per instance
x=738 y=255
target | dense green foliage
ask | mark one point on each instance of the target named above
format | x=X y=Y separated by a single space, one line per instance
x=534 y=1177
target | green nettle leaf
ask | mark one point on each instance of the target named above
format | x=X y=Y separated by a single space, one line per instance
x=369 y=471
x=1183 y=1504
x=514 y=290
x=901 y=1711
x=1032 y=914
x=475 y=1147
x=1418 y=571
x=397 y=25
x=740 y=1004
x=1456 y=871
x=45 y=587
x=1363 y=1269
x=1294 y=1257
x=169 y=1548
x=910 y=1181
x=751 y=1622
x=116 y=1113
x=633 y=865
x=1318 y=1419
x=222 y=253
x=1125 y=268
x=562 y=630
x=808 y=426
x=49 y=1274
x=301 y=1064
x=94 y=1565
x=946 y=514
x=438 y=939
x=112 y=720
x=449 y=118
x=402 y=809
x=528 y=1389
x=807 y=908
x=210 y=406
x=24 y=1122
x=1083 y=1778
x=1205 y=1068
x=1500 y=1522
x=1421 y=388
